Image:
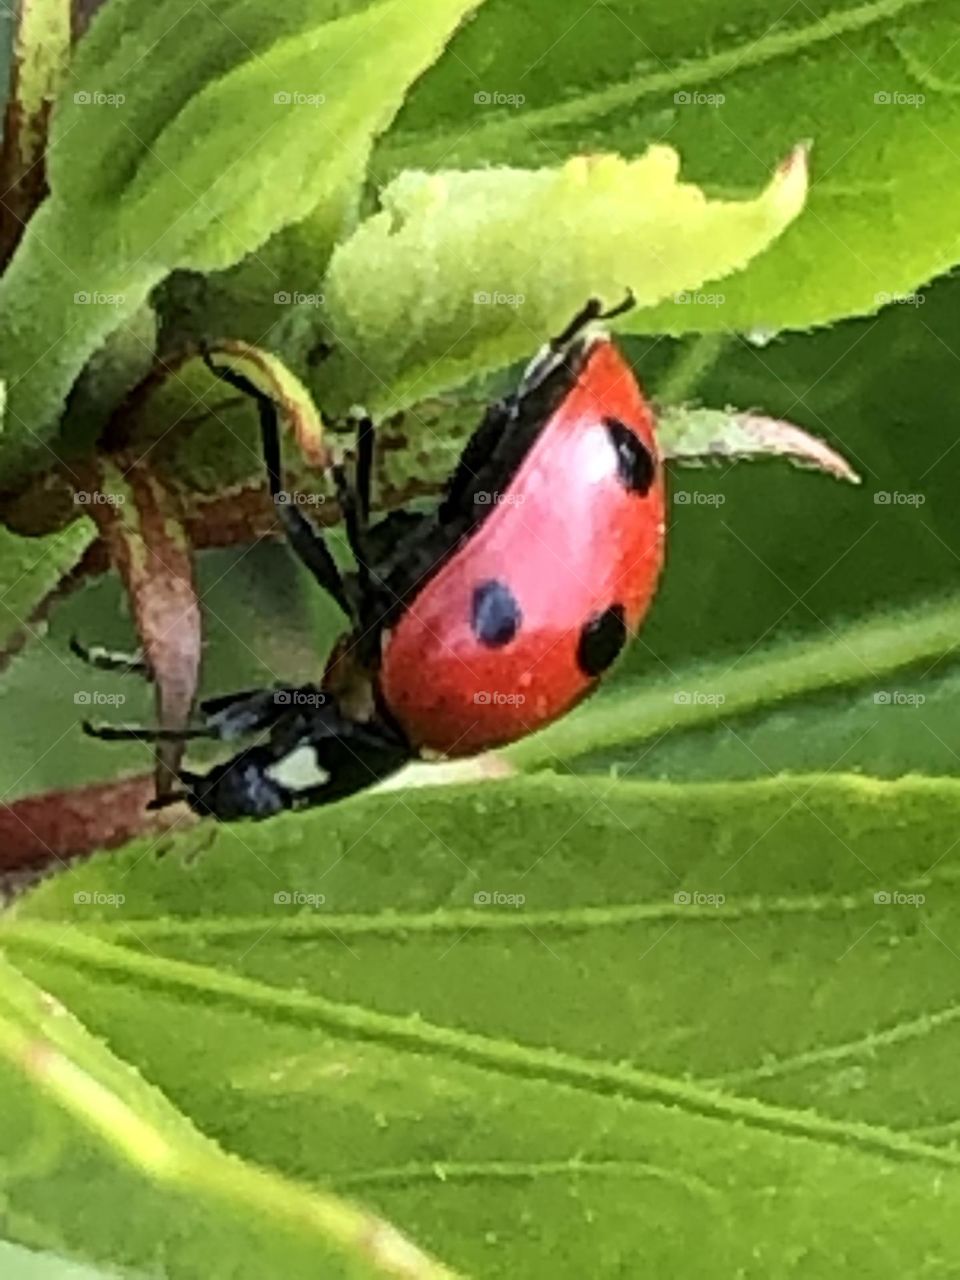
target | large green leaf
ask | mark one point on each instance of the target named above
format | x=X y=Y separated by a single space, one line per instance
x=85 y=1132
x=374 y=1011
x=625 y=74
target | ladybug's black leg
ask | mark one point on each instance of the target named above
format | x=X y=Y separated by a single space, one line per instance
x=366 y=443
x=354 y=502
x=306 y=541
x=230 y=716
x=108 y=660
x=125 y=733
x=233 y=715
x=627 y=304
x=350 y=509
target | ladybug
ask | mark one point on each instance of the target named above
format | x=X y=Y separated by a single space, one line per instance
x=473 y=624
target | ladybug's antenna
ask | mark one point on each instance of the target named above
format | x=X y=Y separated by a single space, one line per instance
x=628 y=303
x=554 y=352
x=586 y=315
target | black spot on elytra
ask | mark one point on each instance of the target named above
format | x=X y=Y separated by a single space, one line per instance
x=601 y=640
x=636 y=465
x=496 y=614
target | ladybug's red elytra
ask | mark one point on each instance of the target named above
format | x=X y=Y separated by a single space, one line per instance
x=473 y=624
x=519 y=624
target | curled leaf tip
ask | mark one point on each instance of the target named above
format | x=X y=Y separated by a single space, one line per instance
x=792 y=178
x=694 y=436
x=270 y=377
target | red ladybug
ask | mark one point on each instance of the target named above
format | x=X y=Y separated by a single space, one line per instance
x=476 y=623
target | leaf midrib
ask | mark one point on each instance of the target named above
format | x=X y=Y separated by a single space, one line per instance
x=689 y=74
x=204 y=985
x=394 y=925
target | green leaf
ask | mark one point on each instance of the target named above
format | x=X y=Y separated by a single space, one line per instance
x=869 y=653
x=310 y=107
x=125 y=359
x=203 y=184
x=458 y=270
x=31 y=569
x=697 y=436
x=86 y=1132
x=616 y=1081
x=615 y=76
x=25 y=1264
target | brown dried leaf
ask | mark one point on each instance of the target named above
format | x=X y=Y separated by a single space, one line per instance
x=141 y=521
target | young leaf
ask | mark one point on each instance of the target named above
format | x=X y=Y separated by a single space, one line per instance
x=207 y=183
x=458 y=270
